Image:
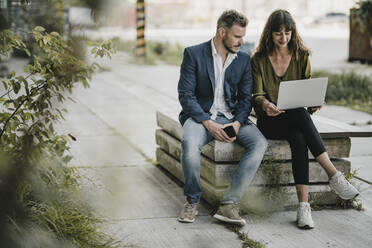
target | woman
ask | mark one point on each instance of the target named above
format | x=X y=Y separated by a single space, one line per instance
x=282 y=56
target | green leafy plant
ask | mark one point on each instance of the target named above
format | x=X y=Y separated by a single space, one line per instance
x=349 y=88
x=40 y=203
x=276 y=193
x=363 y=14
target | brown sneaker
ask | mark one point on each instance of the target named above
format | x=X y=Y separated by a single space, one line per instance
x=188 y=213
x=229 y=213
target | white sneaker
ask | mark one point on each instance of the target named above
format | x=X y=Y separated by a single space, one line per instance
x=342 y=187
x=304 y=219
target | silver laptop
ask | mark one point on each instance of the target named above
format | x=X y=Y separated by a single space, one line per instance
x=302 y=93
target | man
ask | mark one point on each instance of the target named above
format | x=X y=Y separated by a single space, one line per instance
x=215 y=92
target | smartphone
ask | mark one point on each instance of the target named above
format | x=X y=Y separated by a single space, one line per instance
x=230 y=131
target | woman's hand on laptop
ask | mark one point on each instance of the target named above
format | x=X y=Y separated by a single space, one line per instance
x=271 y=109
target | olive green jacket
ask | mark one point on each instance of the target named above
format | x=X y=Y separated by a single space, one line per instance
x=266 y=82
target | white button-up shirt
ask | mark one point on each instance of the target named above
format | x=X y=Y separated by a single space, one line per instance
x=219 y=103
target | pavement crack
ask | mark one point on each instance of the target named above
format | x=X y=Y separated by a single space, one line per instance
x=150 y=218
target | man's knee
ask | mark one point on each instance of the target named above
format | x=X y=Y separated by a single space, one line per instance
x=261 y=144
x=191 y=145
x=253 y=139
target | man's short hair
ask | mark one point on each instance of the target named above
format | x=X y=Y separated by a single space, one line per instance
x=230 y=18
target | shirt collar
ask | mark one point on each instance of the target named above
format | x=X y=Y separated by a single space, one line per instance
x=214 y=52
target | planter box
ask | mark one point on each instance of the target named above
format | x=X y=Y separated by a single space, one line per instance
x=360 y=43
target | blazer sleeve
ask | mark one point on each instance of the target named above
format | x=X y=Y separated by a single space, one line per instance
x=244 y=95
x=186 y=89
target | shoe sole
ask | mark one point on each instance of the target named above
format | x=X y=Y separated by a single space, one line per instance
x=187 y=221
x=343 y=197
x=228 y=220
x=349 y=198
x=306 y=227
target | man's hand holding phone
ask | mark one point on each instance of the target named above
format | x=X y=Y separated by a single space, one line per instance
x=230 y=131
x=218 y=132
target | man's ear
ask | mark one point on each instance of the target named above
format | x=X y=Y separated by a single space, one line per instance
x=222 y=32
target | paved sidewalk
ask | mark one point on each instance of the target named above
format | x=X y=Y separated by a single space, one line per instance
x=114 y=123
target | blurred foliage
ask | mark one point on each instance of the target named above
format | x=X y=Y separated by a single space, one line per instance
x=99 y=8
x=363 y=14
x=349 y=89
x=156 y=52
x=40 y=203
x=29 y=14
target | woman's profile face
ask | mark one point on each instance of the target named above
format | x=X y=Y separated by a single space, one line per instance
x=281 y=38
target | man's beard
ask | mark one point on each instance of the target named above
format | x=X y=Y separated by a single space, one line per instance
x=226 y=47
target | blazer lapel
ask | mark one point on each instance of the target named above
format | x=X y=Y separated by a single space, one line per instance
x=209 y=61
x=226 y=82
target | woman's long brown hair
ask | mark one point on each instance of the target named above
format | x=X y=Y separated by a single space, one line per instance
x=277 y=20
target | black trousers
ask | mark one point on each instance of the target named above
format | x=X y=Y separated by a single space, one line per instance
x=297 y=127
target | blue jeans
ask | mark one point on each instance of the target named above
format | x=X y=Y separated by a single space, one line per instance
x=195 y=136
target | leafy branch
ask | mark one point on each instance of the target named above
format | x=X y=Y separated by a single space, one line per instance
x=55 y=71
x=35 y=178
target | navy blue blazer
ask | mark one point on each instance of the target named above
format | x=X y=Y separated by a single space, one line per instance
x=197 y=82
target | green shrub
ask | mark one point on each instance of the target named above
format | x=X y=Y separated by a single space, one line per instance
x=363 y=14
x=349 y=89
x=40 y=203
x=166 y=52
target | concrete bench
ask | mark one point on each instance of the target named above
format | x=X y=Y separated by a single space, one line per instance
x=272 y=187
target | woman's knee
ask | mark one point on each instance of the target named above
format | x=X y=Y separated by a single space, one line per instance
x=300 y=111
x=301 y=116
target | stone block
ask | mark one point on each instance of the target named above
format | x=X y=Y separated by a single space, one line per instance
x=275 y=171
x=277 y=149
x=257 y=198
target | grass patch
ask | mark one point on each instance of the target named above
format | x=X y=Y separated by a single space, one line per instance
x=243 y=236
x=45 y=206
x=349 y=89
x=50 y=211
